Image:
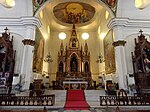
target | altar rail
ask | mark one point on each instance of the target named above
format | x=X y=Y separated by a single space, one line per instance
x=125 y=101
x=12 y=100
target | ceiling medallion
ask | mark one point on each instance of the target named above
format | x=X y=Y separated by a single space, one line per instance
x=74 y=12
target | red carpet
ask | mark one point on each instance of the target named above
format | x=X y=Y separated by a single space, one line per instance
x=75 y=100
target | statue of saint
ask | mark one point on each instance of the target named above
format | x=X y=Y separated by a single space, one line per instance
x=147 y=63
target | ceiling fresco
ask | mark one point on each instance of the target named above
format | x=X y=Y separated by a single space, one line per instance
x=74 y=12
x=39 y=3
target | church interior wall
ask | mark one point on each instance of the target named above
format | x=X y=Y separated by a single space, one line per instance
x=127 y=8
x=21 y=8
x=17 y=41
x=46 y=35
x=104 y=30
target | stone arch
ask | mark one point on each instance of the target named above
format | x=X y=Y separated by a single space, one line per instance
x=98 y=1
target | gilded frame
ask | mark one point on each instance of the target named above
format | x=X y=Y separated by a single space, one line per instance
x=109 y=53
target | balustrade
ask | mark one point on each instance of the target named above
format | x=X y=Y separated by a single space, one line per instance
x=128 y=101
x=12 y=100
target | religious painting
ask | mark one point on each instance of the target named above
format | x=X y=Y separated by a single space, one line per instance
x=111 y=3
x=74 y=12
x=109 y=53
x=38 y=52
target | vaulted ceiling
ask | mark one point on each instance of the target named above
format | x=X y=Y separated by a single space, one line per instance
x=57 y=13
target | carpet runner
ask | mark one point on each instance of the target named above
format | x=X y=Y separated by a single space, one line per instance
x=75 y=100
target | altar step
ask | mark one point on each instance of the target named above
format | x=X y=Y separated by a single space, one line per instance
x=92 y=97
x=60 y=95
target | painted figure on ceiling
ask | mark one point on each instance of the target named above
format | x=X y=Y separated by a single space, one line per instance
x=111 y=3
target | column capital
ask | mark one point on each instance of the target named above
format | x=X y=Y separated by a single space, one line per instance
x=119 y=43
x=28 y=42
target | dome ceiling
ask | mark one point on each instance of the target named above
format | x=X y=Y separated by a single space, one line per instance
x=74 y=12
x=86 y=14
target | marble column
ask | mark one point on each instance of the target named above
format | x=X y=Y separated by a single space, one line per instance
x=26 y=69
x=121 y=67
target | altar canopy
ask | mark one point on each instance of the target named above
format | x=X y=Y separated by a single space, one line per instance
x=74 y=61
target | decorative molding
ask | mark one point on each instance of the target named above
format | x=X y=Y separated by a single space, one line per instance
x=126 y=22
x=23 y=21
x=119 y=43
x=28 y=42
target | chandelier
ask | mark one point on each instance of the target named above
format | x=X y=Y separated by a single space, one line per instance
x=48 y=58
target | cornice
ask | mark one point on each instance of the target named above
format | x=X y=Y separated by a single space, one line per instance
x=22 y=21
x=126 y=22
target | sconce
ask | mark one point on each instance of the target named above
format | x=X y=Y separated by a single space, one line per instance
x=100 y=59
x=48 y=58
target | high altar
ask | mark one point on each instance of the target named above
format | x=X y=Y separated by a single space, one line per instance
x=74 y=64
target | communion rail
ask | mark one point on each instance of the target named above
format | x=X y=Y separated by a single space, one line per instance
x=12 y=100
x=125 y=101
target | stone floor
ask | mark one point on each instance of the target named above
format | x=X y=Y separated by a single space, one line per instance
x=95 y=110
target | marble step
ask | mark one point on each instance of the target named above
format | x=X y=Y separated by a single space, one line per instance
x=93 y=95
x=60 y=95
x=90 y=95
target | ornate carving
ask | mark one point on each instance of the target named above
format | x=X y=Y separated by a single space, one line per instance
x=119 y=43
x=28 y=42
x=73 y=63
x=74 y=42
